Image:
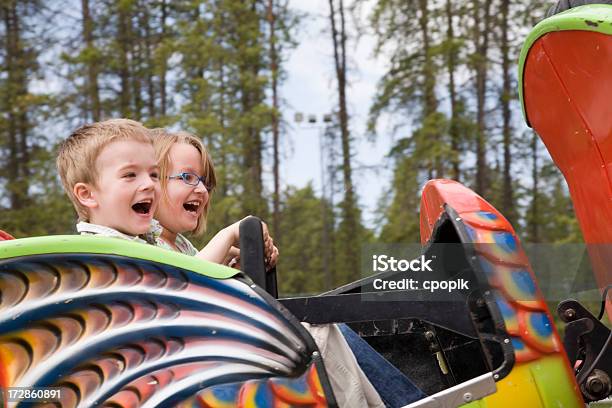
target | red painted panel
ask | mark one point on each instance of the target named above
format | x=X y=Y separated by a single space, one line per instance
x=584 y=65
x=5 y=236
x=568 y=98
x=439 y=192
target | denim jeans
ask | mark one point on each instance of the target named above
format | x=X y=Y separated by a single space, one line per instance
x=394 y=388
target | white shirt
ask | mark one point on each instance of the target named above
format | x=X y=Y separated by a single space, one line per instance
x=86 y=228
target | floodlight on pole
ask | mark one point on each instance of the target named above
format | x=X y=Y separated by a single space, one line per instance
x=327 y=186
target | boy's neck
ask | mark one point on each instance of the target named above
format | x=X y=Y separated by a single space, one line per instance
x=92 y=220
x=89 y=227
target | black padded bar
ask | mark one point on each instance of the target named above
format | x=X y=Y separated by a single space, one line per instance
x=453 y=315
x=252 y=250
x=252 y=260
x=271 y=286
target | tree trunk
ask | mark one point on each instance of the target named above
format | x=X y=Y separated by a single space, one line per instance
x=18 y=127
x=149 y=64
x=275 y=119
x=251 y=96
x=164 y=68
x=429 y=82
x=124 y=68
x=451 y=60
x=482 y=47
x=92 y=69
x=12 y=171
x=508 y=194
x=137 y=65
x=349 y=209
x=222 y=123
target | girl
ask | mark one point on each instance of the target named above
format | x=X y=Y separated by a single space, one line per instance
x=187 y=179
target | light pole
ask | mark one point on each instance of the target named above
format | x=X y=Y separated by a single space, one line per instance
x=327 y=189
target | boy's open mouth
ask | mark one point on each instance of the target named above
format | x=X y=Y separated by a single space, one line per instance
x=143 y=207
x=192 y=206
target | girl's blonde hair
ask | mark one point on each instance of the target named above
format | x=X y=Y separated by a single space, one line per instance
x=163 y=140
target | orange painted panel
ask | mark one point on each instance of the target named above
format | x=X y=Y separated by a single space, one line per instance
x=438 y=192
x=584 y=65
x=568 y=98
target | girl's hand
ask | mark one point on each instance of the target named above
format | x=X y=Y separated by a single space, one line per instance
x=270 y=250
x=224 y=247
x=272 y=259
x=232 y=259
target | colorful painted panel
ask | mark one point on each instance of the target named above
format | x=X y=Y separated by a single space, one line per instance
x=304 y=391
x=118 y=331
x=527 y=321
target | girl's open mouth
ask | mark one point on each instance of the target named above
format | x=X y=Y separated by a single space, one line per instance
x=192 y=206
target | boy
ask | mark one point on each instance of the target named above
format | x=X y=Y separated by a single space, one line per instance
x=109 y=171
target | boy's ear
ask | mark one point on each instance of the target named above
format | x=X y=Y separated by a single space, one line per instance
x=84 y=193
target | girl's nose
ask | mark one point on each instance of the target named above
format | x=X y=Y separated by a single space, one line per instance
x=201 y=188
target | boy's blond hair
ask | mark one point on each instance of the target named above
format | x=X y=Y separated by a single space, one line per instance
x=76 y=158
x=163 y=140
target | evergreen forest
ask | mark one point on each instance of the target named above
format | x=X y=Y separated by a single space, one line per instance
x=448 y=99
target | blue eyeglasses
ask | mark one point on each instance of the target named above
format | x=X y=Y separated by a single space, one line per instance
x=192 y=179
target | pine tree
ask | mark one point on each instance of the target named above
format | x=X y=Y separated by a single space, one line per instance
x=31 y=200
x=481 y=29
x=452 y=45
x=18 y=62
x=408 y=90
x=302 y=266
x=230 y=55
x=508 y=204
x=91 y=60
x=273 y=61
x=550 y=215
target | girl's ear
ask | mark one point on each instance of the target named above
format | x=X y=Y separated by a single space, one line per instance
x=84 y=193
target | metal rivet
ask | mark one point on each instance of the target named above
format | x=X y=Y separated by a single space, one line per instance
x=506 y=341
x=429 y=335
x=467 y=397
x=496 y=376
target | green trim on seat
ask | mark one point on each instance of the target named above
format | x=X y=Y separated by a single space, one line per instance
x=76 y=244
x=592 y=17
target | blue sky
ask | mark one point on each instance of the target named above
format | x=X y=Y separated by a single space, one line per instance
x=310 y=88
